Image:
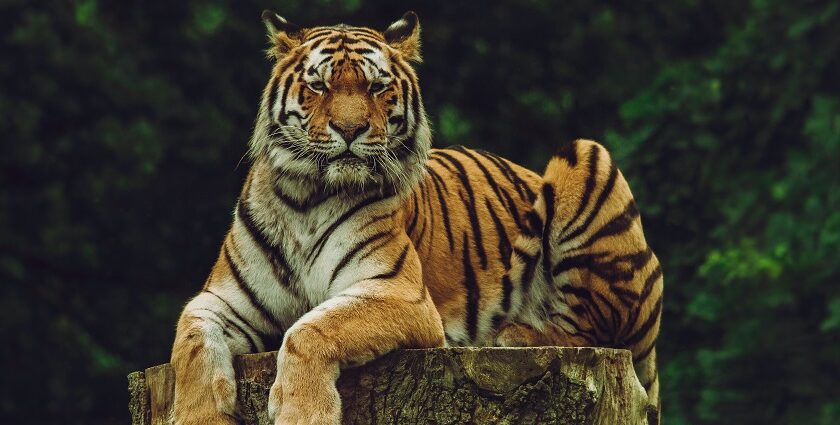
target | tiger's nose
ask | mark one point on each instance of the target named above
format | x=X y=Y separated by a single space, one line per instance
x=349 y=132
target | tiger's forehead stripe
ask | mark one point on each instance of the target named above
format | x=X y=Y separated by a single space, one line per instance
x=344 y=35
x=320 y=31
x=333 y=49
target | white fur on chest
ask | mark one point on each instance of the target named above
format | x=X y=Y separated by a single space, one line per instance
x=313 y=243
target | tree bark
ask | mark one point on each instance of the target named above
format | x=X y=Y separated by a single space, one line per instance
x=544 y=385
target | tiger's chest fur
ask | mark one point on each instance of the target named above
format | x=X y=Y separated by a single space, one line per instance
x=304 y=252
x=301 y=249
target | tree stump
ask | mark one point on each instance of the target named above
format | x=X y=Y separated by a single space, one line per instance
x=543 y=385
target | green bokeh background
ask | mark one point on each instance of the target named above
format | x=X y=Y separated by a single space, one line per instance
x=123 y=124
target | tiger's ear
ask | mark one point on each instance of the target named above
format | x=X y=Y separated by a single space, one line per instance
x=282 y=34
x=404 y=35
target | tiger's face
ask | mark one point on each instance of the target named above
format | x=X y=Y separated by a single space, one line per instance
x=343 y=107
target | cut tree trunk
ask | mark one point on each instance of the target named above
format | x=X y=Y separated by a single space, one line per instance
x=545 y=385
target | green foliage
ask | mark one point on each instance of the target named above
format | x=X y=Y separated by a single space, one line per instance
x=124 y=124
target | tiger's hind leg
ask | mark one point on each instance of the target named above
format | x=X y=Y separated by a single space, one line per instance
x=523 y=335
x=586 y=273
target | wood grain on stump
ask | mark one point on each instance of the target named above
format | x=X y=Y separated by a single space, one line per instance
x=544 y=385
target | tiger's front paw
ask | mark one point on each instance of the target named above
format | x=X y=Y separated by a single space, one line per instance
x=304 y=395
x=193 y=406
x=312 y=406
x=214 y=418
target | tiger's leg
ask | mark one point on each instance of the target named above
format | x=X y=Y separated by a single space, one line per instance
x=368 y=320
x=587 y=267
x=524 y=335
x=209 y=333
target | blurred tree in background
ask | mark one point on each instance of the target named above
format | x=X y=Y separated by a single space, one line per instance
x=124 y=123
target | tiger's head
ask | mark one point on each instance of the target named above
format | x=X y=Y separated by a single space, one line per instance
x=343 y=107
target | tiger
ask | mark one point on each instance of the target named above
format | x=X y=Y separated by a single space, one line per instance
x=352 y=237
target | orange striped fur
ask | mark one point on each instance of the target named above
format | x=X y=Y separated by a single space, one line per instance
x=351 y=238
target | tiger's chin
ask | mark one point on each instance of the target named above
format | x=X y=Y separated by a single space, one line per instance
x=358 y=176
x=351 y=174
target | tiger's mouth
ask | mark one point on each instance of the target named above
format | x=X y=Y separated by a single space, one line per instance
x=347 y=158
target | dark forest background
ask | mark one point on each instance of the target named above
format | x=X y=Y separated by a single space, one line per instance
x=123 y=124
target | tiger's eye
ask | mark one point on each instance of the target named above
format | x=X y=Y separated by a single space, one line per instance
x=318 y=86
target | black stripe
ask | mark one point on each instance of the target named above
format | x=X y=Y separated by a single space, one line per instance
x=617 y=225
x=528 y=270
x=301 y=95
x=627 y=296
x=615 y=315
x=413 y=223
x=490 y=180
x=647 y=386
x=644 y=353
x=504 y=242
x=436 y=177
x=314 y=69
x=585 y=333
x=585 y=298
x=372 y=42
x=616 y=269
x=647 y=288
x=317 y=33
x=286 y=86
x=404 y=87
x=244 y=214
x=507 y=289
x=397 y=268
x=374 y=248
x=428 y=217
x=272 y=97
x=230 y=323
x=548 y=199
x=438 y=182
x=470 y=205
x=587 y=191
x=568 y=152
x=473 y=295
x=642 y=331
x=443 y=164
x=503 y=165
x=577 y=261
x=252 y=297
x=236 y=314
x=319 y=244
x=280 y=266
x=602 y=197
x=396 y=120
x=497 y=321
x=355 y=250
x=414 y=119
x=371 y=33
x=406 y=148
x=514 y=212
x=315 y=199
x=574 y=323
x=534 y=223
x=415 y=105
